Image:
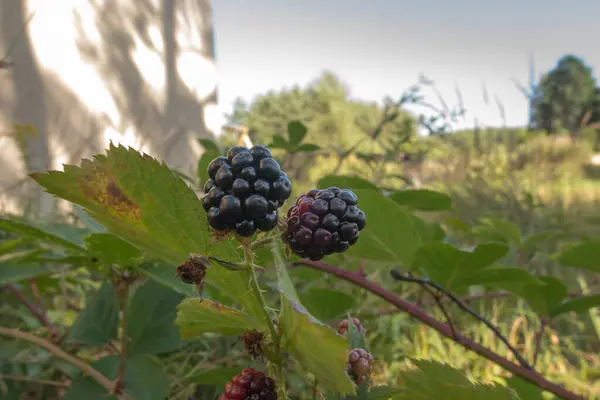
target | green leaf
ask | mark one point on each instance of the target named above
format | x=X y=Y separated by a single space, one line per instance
x=197 y=316
x=308 y=339
x=383 y=393
x=451 y=267
x=502 y=276
x=307 y=148
x=541 y=298
x=68 y=239
x=428 y=231
x=216 y=376
x=278 y=142
x=97 y=324
x=209 y=145
x=144 y=380
x=137 y=198
x=498 y=230
x=422 y=199
x=579 y=305
x=389 y=235
x=165 y=275
x=584 y=256
x=92 y=225
x=151 y=324
x=354 y=336
x=296 y=132
x=346 y=182
x=112 y=250
x=524 y=389
x=13 y=272
x=202 y=168
x=327 y=304
x=432 y=380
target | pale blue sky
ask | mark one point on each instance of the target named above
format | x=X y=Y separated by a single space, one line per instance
x=379 y=47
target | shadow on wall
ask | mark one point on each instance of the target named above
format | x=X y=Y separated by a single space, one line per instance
x=139 y=73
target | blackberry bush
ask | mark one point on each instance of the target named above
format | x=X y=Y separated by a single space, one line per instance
x=343 y=326
x=250 y=385
x=245 y=190
x=324 y=222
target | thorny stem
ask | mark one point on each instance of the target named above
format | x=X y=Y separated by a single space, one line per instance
x=462 y=306
x=262 y=242
x=415 y=312
x=34 y=310
x=277 y=359
x=60 y=353
x=120 y=383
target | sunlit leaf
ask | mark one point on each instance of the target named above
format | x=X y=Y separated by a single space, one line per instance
x=196 y=316
x=110 y=249
x=389 y=235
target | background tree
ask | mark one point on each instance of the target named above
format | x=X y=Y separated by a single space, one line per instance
x=564 y=95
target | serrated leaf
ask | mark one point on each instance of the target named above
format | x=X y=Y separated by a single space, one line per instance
x=202 y=168
x=145 y=203
x=296 y=132
x=524 y=389
x=137 y=198
x=389 y=235
x=308 y=339
x=346 y=182
x=422 y=199
x=584 y=256
x=216 y=376
x=69 y=240
x=209 y=145
x=112 y=250
x=579 y=305
x=197 y=316
x=451 y=267
x=151 y=322
x=428 y=231
x=97 y=324
x=327 y=304
x=432 y=380
x=144 y=380
x=307 y=148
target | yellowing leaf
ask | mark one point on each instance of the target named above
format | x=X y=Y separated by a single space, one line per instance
x=196 y=316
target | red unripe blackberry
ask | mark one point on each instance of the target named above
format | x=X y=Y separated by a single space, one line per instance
x=324 y=222
x=343 y=326
x=250 y=385
x=360 y=365
x=245 y=191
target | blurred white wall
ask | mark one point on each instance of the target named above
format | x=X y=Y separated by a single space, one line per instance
x=141 y=73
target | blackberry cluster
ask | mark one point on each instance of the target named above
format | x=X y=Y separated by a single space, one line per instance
x=324 y=222
x=343 y=326
x=245 y=190
x=253 y=340
x=250 y=385
x=359 y=365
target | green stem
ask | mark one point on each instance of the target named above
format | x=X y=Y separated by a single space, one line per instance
x=262 y=242
x=277 y=359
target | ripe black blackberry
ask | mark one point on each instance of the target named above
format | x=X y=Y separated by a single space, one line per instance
x=245 y=190
x=360 y=365
x=324 y=222
x=250 y=385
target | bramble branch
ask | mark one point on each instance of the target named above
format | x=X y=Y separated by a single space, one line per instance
x=60 y=353
x=33 y=309
x=426 y=282
x=518 y=370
